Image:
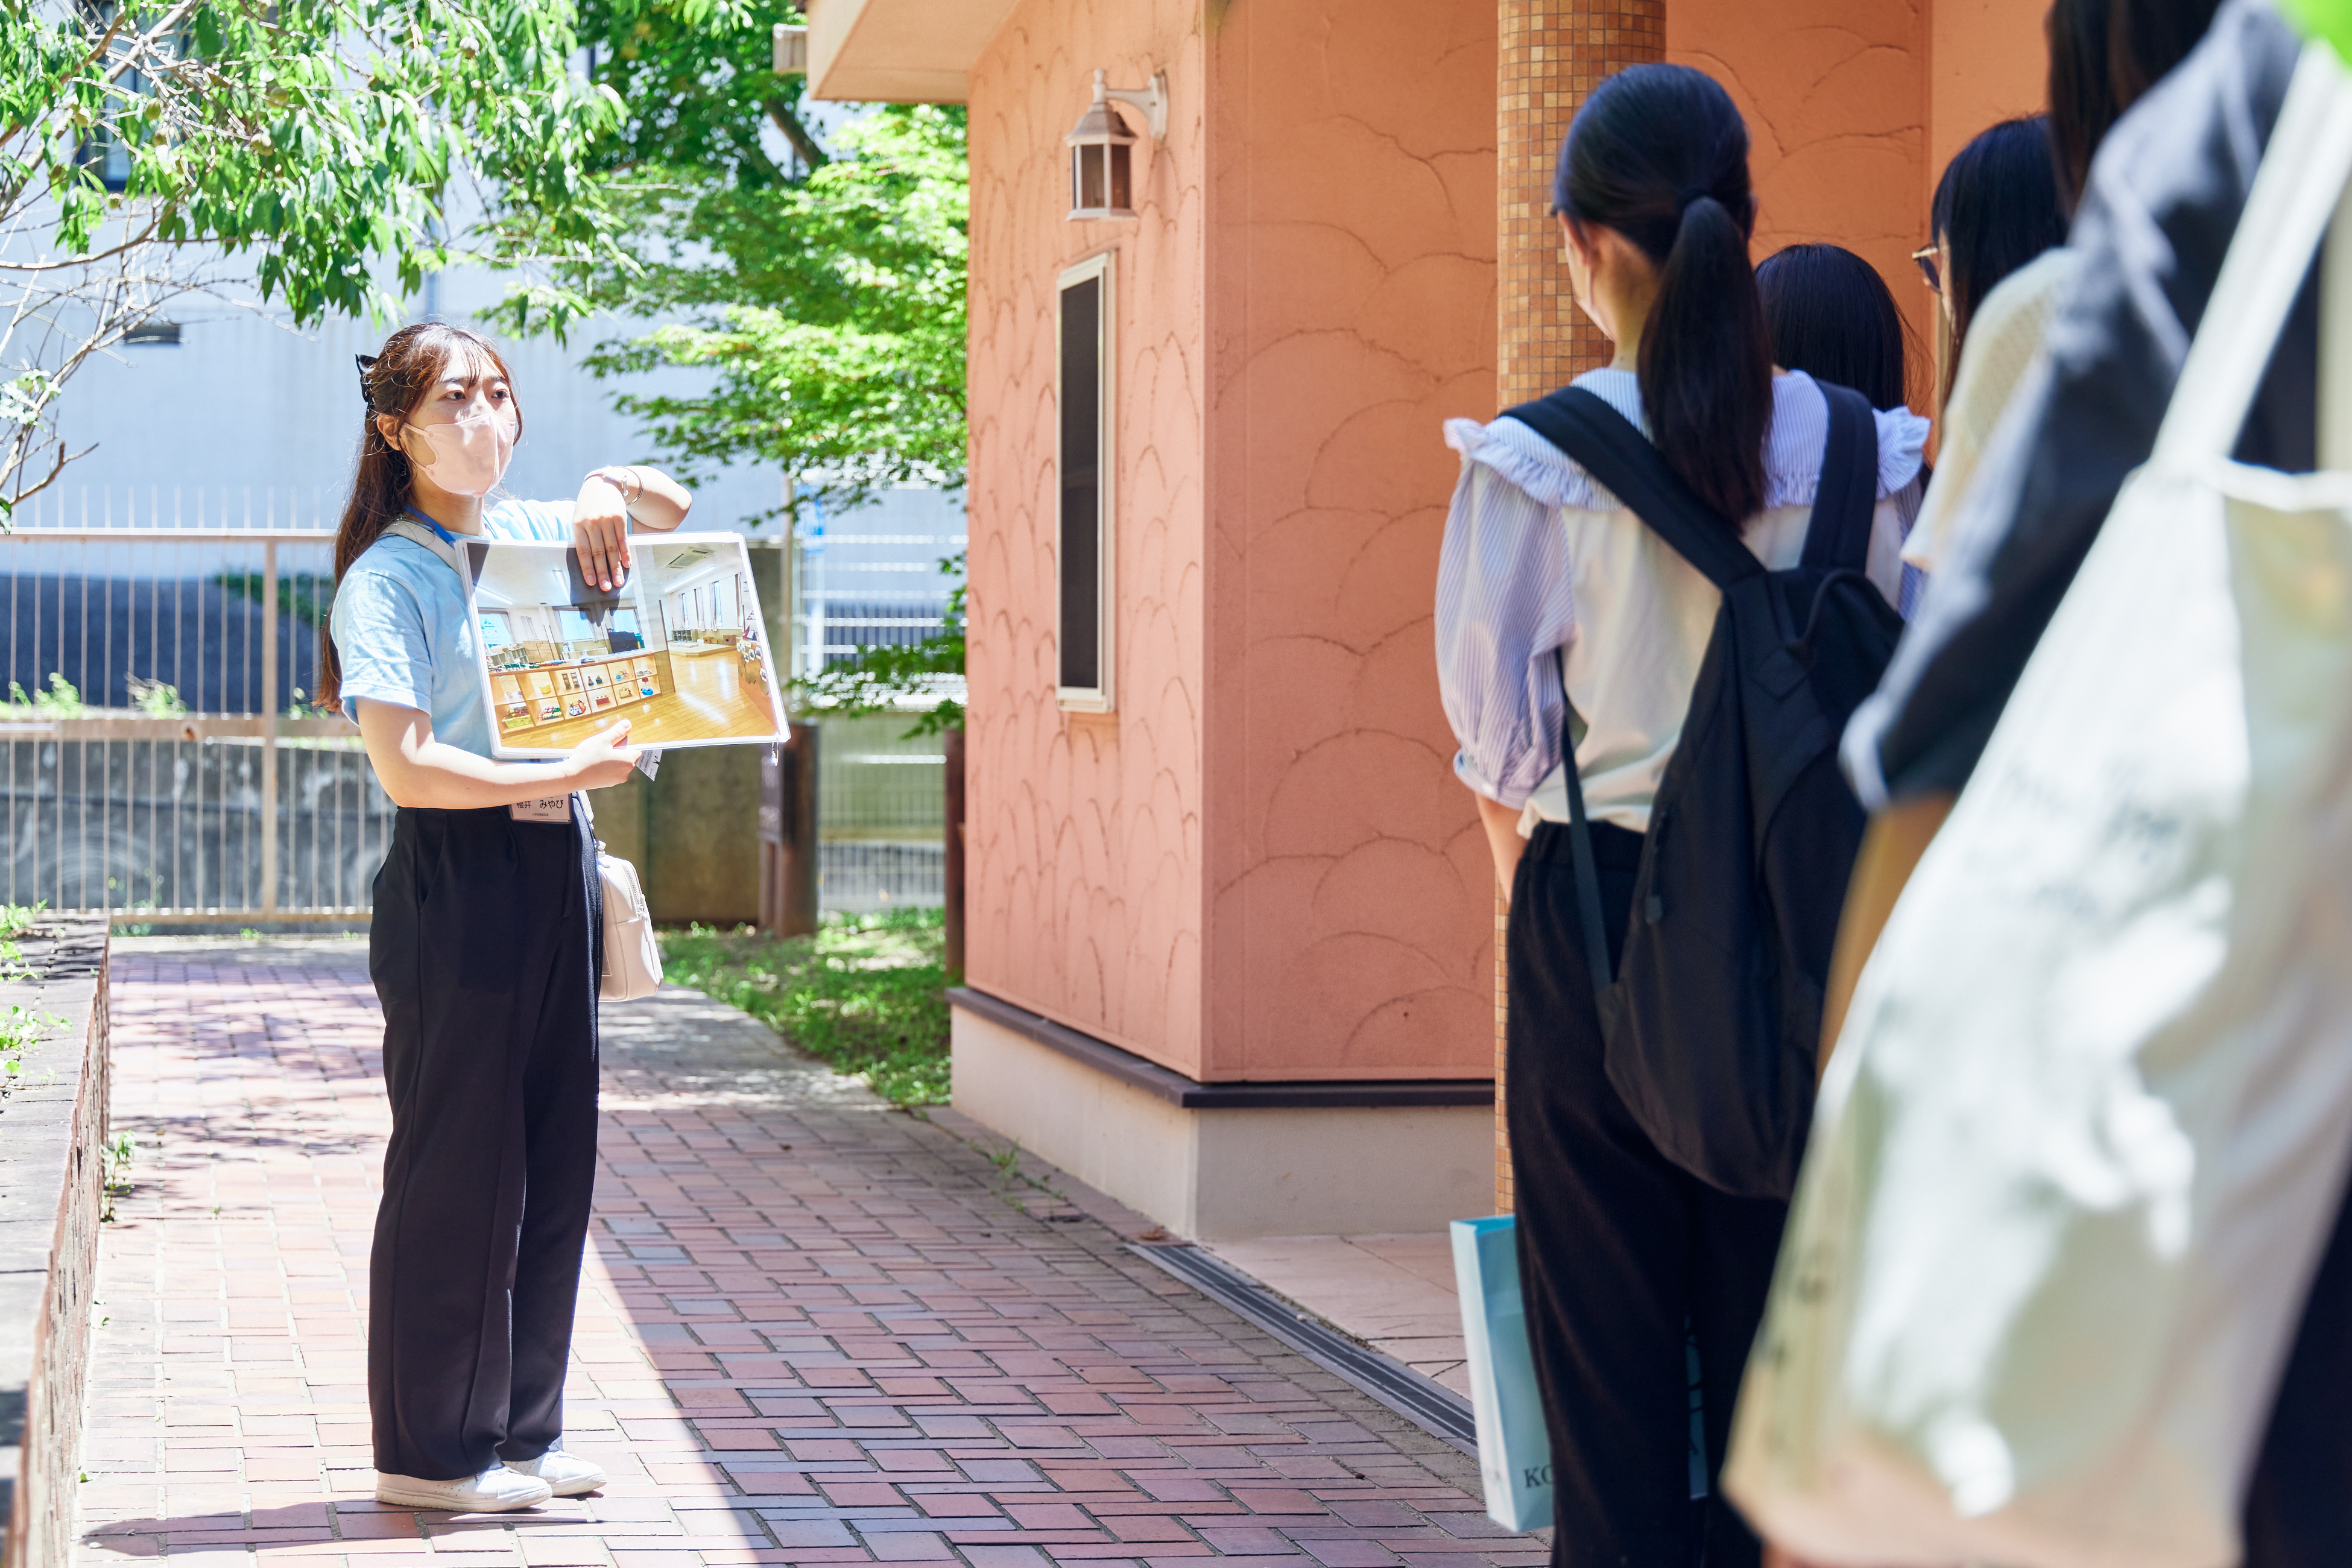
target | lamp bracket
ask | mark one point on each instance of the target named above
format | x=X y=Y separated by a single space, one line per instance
x=1152 y=98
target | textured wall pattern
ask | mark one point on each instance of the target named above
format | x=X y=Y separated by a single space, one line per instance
x=1083 y=830
x=1350 y=309
x=1835 y=95
x=1307 y=293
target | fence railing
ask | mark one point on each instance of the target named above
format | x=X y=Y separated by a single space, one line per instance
x=163 y=763
x=162 y=759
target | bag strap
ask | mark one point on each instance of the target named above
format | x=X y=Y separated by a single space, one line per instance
x=410 y=528
x=1614 y=452
x=1846 y=497
x=1579 y=844
x=2304 y=170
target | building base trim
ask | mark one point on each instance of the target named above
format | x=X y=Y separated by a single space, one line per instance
x=1191 y=1094
x=1217 y=1173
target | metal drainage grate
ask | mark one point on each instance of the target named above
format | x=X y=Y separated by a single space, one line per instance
x=1435 y=1408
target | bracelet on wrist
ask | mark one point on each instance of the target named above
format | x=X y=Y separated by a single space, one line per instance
x=630 y=493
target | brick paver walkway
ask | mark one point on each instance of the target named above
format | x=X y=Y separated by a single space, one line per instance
x=814 y=1330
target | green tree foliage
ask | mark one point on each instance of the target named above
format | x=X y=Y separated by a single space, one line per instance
x=824 y=294
x=694 y=78
x=141 y=150
x=822 y=291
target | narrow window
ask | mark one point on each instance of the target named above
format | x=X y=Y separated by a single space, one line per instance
x=1087 y=463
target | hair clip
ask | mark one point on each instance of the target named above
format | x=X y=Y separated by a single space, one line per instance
x=366 y=362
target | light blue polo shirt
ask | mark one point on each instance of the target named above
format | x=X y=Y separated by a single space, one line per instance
x=400 y=627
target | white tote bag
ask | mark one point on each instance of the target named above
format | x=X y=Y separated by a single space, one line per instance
x=2088 y=1122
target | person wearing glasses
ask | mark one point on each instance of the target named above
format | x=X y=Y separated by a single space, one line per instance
x=1998 y=264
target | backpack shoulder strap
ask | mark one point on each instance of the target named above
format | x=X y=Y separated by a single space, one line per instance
x=1613 y=451
x=1837 y=537
x=1586 y=864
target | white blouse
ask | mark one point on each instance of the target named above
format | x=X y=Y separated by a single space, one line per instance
x=1538 y=556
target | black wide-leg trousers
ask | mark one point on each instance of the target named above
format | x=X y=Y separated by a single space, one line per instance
x=483 y=953
x=1625 y=1260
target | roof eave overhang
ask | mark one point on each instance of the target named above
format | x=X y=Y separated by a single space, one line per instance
x=898 y=51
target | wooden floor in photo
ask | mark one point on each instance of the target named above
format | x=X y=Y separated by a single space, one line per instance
x=712 y=697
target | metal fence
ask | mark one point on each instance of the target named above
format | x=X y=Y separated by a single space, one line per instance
x=881 y=805
x=162 y=761
x=864 y=877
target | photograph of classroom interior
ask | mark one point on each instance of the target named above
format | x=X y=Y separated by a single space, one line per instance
x=677 y=652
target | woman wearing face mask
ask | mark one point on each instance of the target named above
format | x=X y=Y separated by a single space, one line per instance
x=483 y=943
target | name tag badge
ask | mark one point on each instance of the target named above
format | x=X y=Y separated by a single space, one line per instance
x=554 y=808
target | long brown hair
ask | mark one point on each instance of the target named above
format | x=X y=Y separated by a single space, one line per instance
x=393 y=382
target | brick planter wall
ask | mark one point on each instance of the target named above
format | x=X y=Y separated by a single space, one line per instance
x=53 y=1130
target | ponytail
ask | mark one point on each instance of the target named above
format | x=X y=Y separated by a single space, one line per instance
x=1660 y=154
x=393 y=382
x=1705 y=364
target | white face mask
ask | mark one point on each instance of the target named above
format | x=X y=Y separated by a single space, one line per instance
x=469 y=455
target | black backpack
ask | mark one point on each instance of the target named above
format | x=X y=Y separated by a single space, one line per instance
x=1712 y=1021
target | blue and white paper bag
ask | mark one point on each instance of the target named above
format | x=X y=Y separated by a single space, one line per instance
x=1514 y=1450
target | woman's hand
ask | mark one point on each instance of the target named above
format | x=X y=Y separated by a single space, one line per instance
x=609 y=501
x=603 y=759
x=600 y=532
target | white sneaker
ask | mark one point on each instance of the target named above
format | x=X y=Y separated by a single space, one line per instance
x=495 y=1490
x=569 y=1474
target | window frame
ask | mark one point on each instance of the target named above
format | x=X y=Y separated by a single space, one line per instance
x=1098 y=697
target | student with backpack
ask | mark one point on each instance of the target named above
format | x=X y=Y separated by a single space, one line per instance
x=1697 y=595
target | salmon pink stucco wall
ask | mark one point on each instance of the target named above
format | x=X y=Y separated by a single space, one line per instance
x=1258 y=866
x=1351 y=309
x=1085 y=873
x=1853 y=109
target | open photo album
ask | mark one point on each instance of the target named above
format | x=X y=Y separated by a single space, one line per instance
x=679 y=651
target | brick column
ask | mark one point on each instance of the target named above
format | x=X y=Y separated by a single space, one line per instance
x=1550 y=53
x=1503 y=1190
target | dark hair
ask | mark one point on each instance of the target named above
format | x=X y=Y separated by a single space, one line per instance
x=2104 y=54
x=2146 y=39
x=2082 y=90
x=1659 y=153
x=393 y=382
x=1830 y=314
x=1996 y=209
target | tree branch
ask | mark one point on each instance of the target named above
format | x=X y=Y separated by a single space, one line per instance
x=796 y=133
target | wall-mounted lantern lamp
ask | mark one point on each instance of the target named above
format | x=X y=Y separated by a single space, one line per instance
x=1101 y=177
x=791 y=50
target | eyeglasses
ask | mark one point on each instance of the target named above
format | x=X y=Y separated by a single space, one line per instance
x=1926 y=257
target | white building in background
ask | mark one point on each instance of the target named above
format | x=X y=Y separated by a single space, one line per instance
x=235 y=413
